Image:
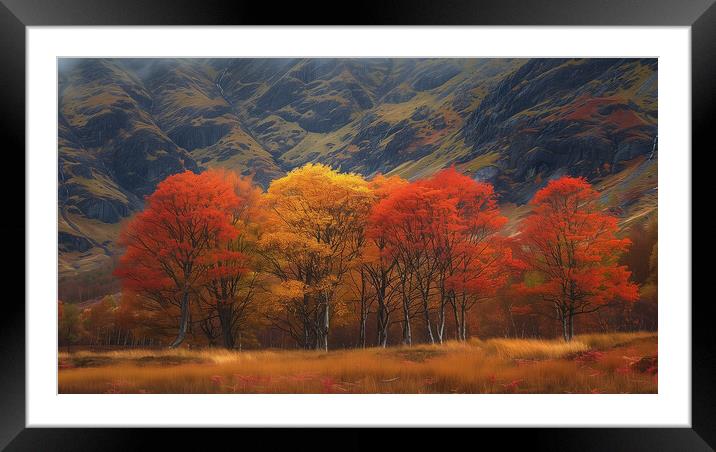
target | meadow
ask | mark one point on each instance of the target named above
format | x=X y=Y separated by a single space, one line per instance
x=596 y=363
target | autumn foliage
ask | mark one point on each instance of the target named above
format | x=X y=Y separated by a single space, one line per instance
x=441 y=235
x=180 y=241
x=314 y=234
x=325 y=259
x=572 y=247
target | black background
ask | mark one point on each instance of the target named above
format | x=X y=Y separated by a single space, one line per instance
x=16 y=14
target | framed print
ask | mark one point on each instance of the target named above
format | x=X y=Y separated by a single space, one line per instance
x=449 y=224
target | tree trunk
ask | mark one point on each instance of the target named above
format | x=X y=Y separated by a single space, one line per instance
x=361 y=327
x=318 y=339
x=407 y=331
x=309 y=321
x=441 y=315
x=463 y=323
x=513 y=324
x=382 y=319
x=426 y=314
x=361 y=332
x=441 y=324
x=225 y=317
x=428 y=326
x=363 y=311
x=324 y=329
x=383 y=328
x=184 y=322
x=458 y=325
x=306 y=335
x=565 y=330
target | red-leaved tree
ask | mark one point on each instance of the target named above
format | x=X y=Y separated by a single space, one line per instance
x=231 y=278
x=477 y=262
x=379 y=271
x=441 y=232
x=572 y=250
x=168 y=244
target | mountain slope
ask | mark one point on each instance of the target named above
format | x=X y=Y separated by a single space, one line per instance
x=581 y=117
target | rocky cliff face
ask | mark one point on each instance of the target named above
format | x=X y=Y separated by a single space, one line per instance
x=126 y=124
x=585 y=118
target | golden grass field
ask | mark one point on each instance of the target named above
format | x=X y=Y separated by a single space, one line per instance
x=608 y=363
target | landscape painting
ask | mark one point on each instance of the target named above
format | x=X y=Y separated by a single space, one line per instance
x=357 y=226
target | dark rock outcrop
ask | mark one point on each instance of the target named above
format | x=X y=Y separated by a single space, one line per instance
x=435 y=76
x=105 y=210
x=72 y=243
x=563 y=116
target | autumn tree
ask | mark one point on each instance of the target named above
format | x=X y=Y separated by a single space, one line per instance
x=69 y=329
x=362 y=298
x=409 y=220
x=642 y=261
x=380 y=281
x=147 y=321
x=212 y=258
x=572 y=247
x=231 y=279
x=476 y=261
x=167 y=244
x=441 y=233
x=314 y=232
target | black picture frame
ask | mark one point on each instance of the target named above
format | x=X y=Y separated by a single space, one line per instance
x=16 y=15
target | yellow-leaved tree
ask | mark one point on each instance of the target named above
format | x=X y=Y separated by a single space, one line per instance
x=314 y=235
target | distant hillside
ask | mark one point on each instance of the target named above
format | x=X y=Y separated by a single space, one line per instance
x=125 y=125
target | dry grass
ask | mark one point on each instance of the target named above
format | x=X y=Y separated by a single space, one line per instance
x=591 y=364
x=603 y=341
x=533 y=348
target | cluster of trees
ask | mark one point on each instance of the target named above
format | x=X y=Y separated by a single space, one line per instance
x=323 y=254
x=89 y=284
x=105 y=322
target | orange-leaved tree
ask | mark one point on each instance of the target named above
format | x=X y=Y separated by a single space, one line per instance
x=572 y=247
x=314 y=233
x=168 y=243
